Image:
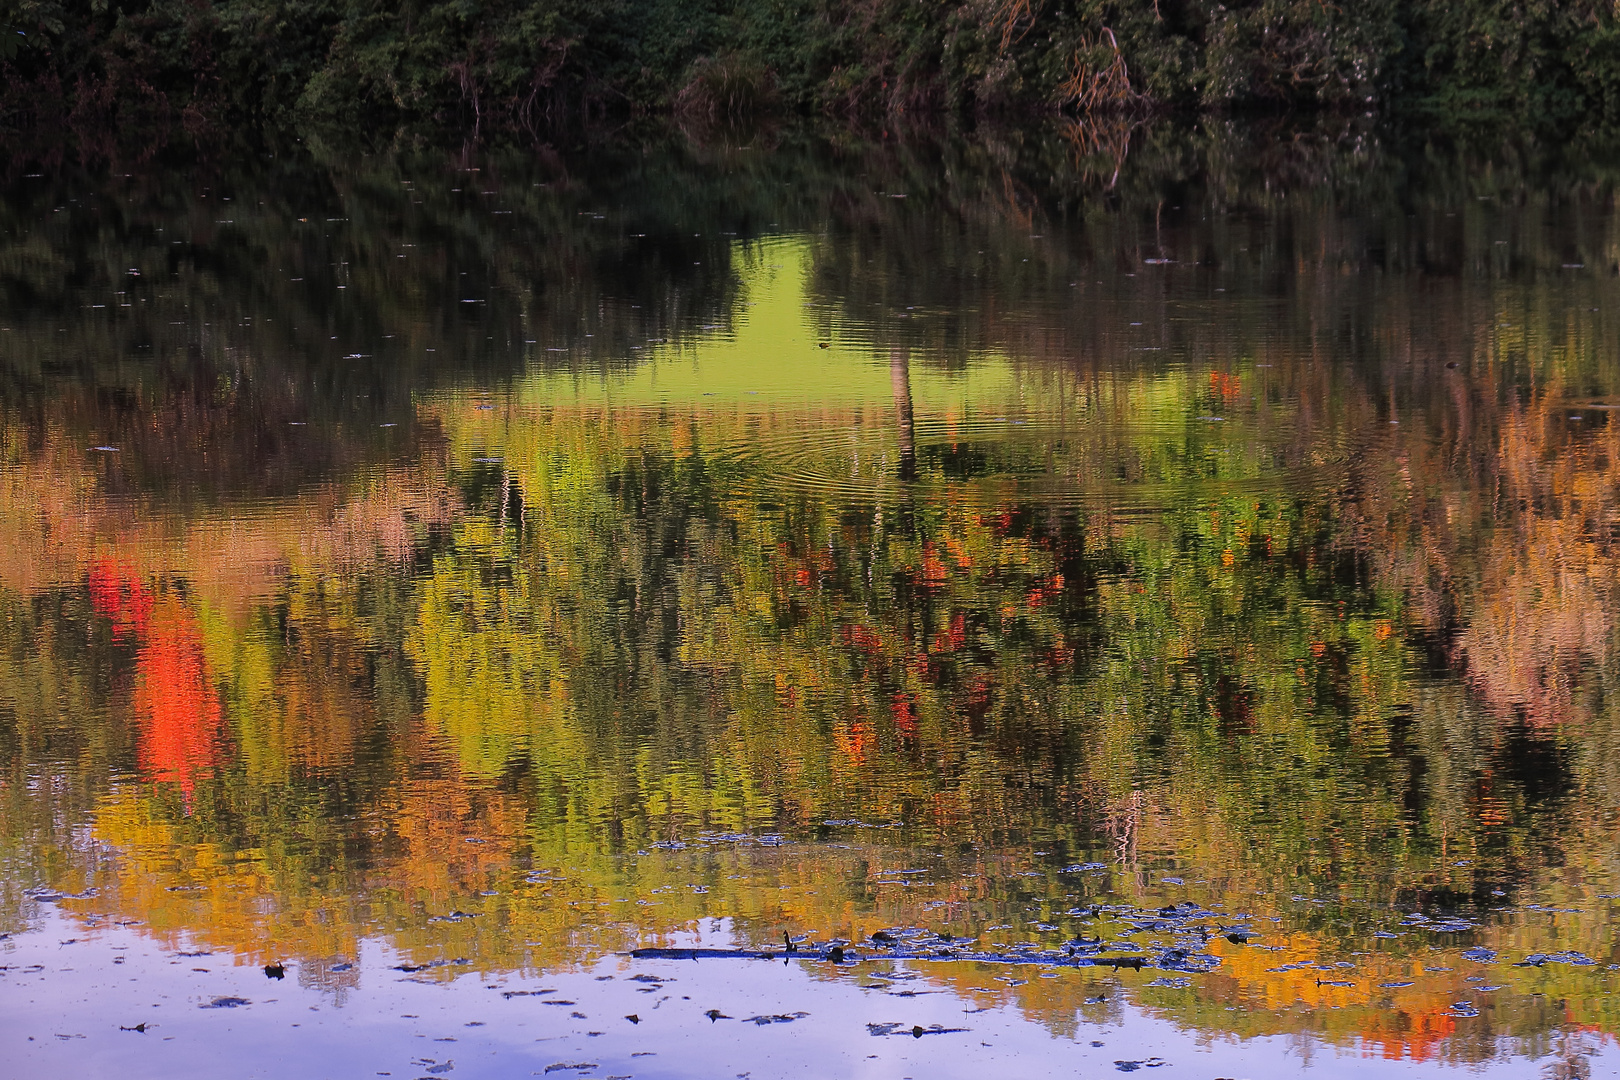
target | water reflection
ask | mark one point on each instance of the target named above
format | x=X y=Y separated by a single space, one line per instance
x=884 y=568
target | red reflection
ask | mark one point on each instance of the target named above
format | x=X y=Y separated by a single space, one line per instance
x=118 y=594
x=1227 y=386
x=904 y=710
x=176 y=707
x=1404 y=1035
x=862 y=638
x=1045 y=590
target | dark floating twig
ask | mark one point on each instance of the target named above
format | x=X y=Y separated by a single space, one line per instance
x=1538 y=959
x=429 y=964
x=916 y=1031
x=1188 y=921
x=1167 y=959
x=1147 y=1063
x=776 y=1018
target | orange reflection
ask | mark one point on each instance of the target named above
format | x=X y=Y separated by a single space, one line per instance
x=855 y=741
x=1401 y=1035
x=176 y=706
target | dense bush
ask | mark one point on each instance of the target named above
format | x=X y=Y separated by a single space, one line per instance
x=200 y=62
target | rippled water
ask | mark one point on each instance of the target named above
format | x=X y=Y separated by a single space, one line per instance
x=678 y=609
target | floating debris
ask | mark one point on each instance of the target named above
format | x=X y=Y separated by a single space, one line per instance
x=1184 y=959
x=226 y=1003
x=1538 y=959
x=456 y=916
x=430 y=964
x=916 y=1031
x=776 y=1018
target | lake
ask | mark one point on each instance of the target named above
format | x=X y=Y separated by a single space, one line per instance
x=811 y=603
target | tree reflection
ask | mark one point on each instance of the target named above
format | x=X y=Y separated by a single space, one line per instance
x=900 y=377
x=1078 y=578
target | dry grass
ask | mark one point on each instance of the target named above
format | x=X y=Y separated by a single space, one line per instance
x=726 y=86
x=1099 y=79
x=1014 y=18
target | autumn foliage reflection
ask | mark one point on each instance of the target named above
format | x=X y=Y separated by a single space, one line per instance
x=1277 y=618
x=176 y=705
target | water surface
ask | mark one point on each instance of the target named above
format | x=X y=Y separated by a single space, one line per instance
x=1162 y=585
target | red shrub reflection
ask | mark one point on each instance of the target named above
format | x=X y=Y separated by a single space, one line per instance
x=176 y=706
x=177 y=710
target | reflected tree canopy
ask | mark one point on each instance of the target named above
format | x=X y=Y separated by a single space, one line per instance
x=391 y=537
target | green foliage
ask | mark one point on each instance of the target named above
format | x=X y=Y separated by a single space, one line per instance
x=1298 y=51
x=1553 y=60
x=27 y=24
x=357 y=62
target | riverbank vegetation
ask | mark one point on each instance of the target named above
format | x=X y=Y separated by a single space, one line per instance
x=204 y=63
